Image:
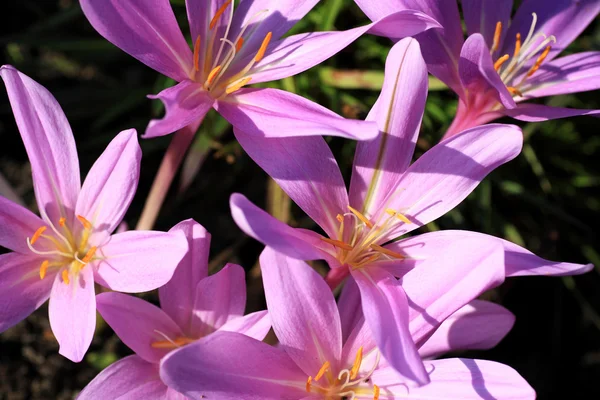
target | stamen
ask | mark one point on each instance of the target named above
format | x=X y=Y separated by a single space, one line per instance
x=357 y=362
x=197 y=54
x=308 y=384
x=44 y=268
x=375 y=392
x=218 y=14
x=62 y=221
x=539 y=61
x=86 y=224
x=38 y=234
x=169 y=344
x=263 y=47
x=242 y=82
x=396 y=214
x=239 y=44
x=212 y=75
x=513 y=90
x=497 y=34
x=337 y=243
x=89 y=255
x=322 y=371
x=517 y=45
x=500 y=61
x=339 y=217
x=388 y=252
x=360 y=216
x=65 y=277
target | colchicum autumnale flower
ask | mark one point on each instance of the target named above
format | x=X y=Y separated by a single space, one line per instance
x=504 y=62
x=62 y=254
x=234 y=48
x=324 y=352
x=194 y=306
x=388 y=198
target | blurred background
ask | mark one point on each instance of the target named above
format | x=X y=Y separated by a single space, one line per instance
x=546 y=200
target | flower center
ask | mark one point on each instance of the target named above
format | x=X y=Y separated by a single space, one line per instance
x=360 y=242
x=61 y=248
x=510 y=68
x=212 y=63
x=347 y=384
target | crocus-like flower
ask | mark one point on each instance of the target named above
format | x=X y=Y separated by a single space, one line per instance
x=194 y=306
x=504 y=62
x=324 y=353
x=63 y=254
x=387 y=199
x=232 y=49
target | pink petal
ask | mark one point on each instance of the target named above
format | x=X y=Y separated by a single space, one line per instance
x=138 y=324
x=49 y=143
x=303 y=311
x=480 y=325
x=145 y=29
x=185 y=103
x=539 y=112
x=21 y=289
x=17 y=224
x=127 y=379
x=481 y=17
x=349 y=306
x=72 y=311
x=295 y=243
x=219 y=298
x=273 y=113
x=380 y=163
x=385 y=307
x=228 y=365
x=306 y=170
x=178 y=295
x=255 y=325
x=138 y=261
x=199 y=15
x=110 y=185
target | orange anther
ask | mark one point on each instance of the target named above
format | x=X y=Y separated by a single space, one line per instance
x=375 y=392
x=337 y=243
x=197 y=54
x=263 y=47
x=218 y=14
x=44 y=268
x=62 y=221
x=539 y=61
x=321 y=372
x=213 y=75
x=238 y=85
x=239 y=44
x=497 y=34
x=308 y=383
x=517 y=45
x=65 y=277
x=360 y=216
x=357 y=362
x=89 y=255
x=171 y=344
x=86 y=224
x=339 y=217
x=388 y=252
x=38 y=234
x=500 y=61
x=514 y=90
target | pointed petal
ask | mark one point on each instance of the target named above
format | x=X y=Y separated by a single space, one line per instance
x=228 y=365
x=480 y=325
x=146 y=30
x=49 y=143
x=297 y=53
x=219 y=298
x=17 y=224
x=306 y=170
x=127 y=379
x=481 y=17
x=303 y=311
x=539 y=112
x=72 y=311
x=185 y=103
x=138 y=261
x=21 y=289
x=255 y=325
x=110 y=185
x=442 y=177
x=178 y=295
x=199 y=15
x=138 y=323
x=268 y=230
x=380 y=163
x=385 y=307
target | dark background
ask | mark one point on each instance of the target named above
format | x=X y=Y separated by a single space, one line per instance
x=547 y=199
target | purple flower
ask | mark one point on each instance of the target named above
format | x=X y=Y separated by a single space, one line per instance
x=194 y=306
x=389 y=198
x=324 y=353
x=233 y=48
x=63 y=254
x=504 y=62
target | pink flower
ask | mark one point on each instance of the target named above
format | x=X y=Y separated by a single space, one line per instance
x=194 y=306
x=389 y=198
x=232 y=49
x=324 y=353
x=63 y=254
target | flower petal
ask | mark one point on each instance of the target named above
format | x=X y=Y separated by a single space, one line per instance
x=219 y=298
x=303 y=311
x=479 y=325
x=228 y=365
x=380 y=163
x=255 y=325
x=17 y=224
x=110 y=185
x=539 y=112
x=49 y=143
x=306 y=170
x=138 y=261
x=21 y=289
x=385 y=307
x=442 y=177
x=138 y=324
x=145 y=29
x=481 y=17
x=72 y=311
x=178 y=295
x=185 y=103
x=127 y=379
x=268 y=230
x=349 y=305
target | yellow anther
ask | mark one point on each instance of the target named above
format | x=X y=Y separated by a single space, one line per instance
x=517 y=45
x=337 y=243
x=263 y=47
x=44 y=268
x=65 y=277
x=339 y=217
x=539 y=61
x=89 y=255
x=218 y=14
x=238 y=85
x=171 y=344
x=38 y=234
x=62 y=221
x=197 y=54
x=388 y=252
x=239 y=44
x=360 y=216
x=308 y=383
x=398 y=215
x=514 y=90
x=500 y=61
x=213 y=75
x=322 y=371
x=375 y=392
x=86 y=224
x=357 y=362
x=497 y=34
